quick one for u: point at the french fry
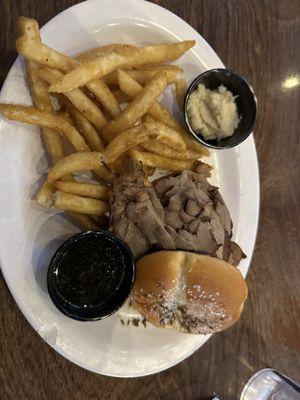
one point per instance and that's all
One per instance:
(80, 205)
(148, 171)
(139, 134)
(96, 52)
(34, 116)
(126, 140)
(168, 136)
(159, 67)
(44, 196)
(180, 88)
(35, 51)
(117, 166)
(138, 107)
(83, 189)
(103, 65)
(190, 142)
(29, 27)
(154, 160)
(84, 220)
(193, 148)
(39, 91)
(162, 149)
(148, 55)
(75, 162)
(147, 118)
(132, 89)
(87, 72)
(85, 127)
(41, 99)
(121, 96)
(105, 96)
(104, 174)
(144, 75)
(78, 98)
(66, 115)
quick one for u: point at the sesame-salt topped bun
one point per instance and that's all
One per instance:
(190, 292)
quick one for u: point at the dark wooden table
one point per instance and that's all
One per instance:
(260, 39)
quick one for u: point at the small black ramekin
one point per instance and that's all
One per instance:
(105, 308)
(245, 100)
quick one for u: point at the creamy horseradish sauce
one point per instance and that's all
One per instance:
(212, 113)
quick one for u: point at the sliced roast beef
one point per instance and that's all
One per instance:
(178, 211)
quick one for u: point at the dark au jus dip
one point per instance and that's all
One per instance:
(91, 275)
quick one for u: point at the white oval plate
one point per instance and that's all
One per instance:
(29, 235)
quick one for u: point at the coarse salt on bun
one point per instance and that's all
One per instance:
(190, 292)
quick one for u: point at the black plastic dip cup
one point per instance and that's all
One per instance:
(91, 275)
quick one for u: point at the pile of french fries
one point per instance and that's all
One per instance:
(108, 109)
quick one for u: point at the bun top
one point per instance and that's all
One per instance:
(190, 292)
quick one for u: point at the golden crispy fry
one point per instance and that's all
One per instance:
(44, 196)
(112, 78)
(126, 140)
(39, 91)
(194, 148)
(121, 96)
(138, 107)
(148, 171)
(128, 84)
(74, 163)
(144, 75)
(79, 99)
(162, 149)
(132, 89)
(83, 189)
(36, 51)
(168, 136)
(160, 113)
(117, 166)
(87, 72)
(105, 96)
(29, 27)
(85, 127)
(139, 134)
(42, 54)
(159, 67)
(154, 160)
(78, 204)
(180, 87)
(66, 115)
(96, 52)
(104, 174)
(192, 143)
(41, 99)
(54, 144)
(84, 220)
(32, 115)
(103, 65)
(149, 119)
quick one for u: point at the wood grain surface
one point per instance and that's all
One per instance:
(260, 39)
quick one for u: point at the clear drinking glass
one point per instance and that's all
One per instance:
(268, 384)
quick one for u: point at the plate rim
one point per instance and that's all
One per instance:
(250, 141)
